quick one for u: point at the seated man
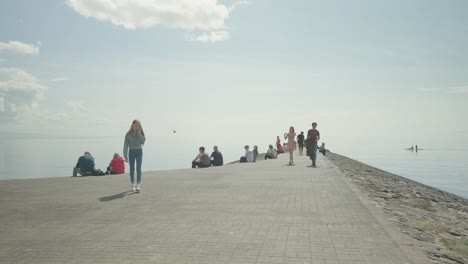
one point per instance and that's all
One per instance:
(271, 153)
(117, 165)
(248, 157)
(322, 149)
(202, 160)
(216, 157)
(84, 166)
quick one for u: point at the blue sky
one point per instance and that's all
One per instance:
(366, 71)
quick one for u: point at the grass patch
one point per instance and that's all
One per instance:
(457, 245)
(425, 205)
(432, 225)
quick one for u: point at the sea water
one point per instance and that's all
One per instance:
(43, 157)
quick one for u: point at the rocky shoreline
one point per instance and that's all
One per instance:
(436, 221)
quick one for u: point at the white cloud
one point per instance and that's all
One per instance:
(214, 36)
(19, 92)
(427, 89)
(452, 90)
(58, 117)
(19, 47)
(76, 106)
(2, 60)
(237, 4)
(60, 79)
(458, 90)
(205, 15)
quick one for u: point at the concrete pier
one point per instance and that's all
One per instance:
(263, 212)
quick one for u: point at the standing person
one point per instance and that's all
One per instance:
(134, 140)
(255, 153)
(313, 136)
(300, 141)
(291, 135)
(278, 141)
(117, 165)
(84, 166)
(216, 157)
(202, 160)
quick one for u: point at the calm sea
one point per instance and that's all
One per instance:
(23, 158)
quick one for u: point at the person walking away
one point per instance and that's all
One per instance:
(255, 153)
(84, 166)
(116, 165)
(216, 158)
(202, 160)
(133, 152)
(300, 142)
(313, 136)
(291, 135)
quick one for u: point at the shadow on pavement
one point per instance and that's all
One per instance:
(115, 196)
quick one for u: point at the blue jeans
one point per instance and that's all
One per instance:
(135, 155)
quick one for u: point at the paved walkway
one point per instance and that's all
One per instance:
(264, 212)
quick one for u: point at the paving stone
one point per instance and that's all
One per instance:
(264, 212)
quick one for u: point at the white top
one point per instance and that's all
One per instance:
(272, 152)
(249, 156)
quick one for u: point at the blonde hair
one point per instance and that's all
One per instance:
(139, 124)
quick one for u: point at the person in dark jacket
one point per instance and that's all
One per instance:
(216, 157)
(84, 166)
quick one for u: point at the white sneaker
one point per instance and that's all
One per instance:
(138, 188)
(133, 189)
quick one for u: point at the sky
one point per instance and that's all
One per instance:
(367, 71)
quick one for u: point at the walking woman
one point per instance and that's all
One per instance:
(291, 135)
(134, 140)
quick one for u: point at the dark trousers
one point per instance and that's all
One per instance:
(215, 164)
(323, 151)
(268, 156)
(110, 171)
(243, 159)
(77, 171)
(198, 164)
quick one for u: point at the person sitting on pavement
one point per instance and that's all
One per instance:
(202, 160)
(255, 153)
(216, 157)
(116, 165)
(248, 157)
(322, 149)
(271, 153)
(280, 149)
(84, 166)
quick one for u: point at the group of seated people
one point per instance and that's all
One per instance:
(86, 166)
(202, 160)
(249, 156)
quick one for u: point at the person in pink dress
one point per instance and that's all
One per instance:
(291, 135)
